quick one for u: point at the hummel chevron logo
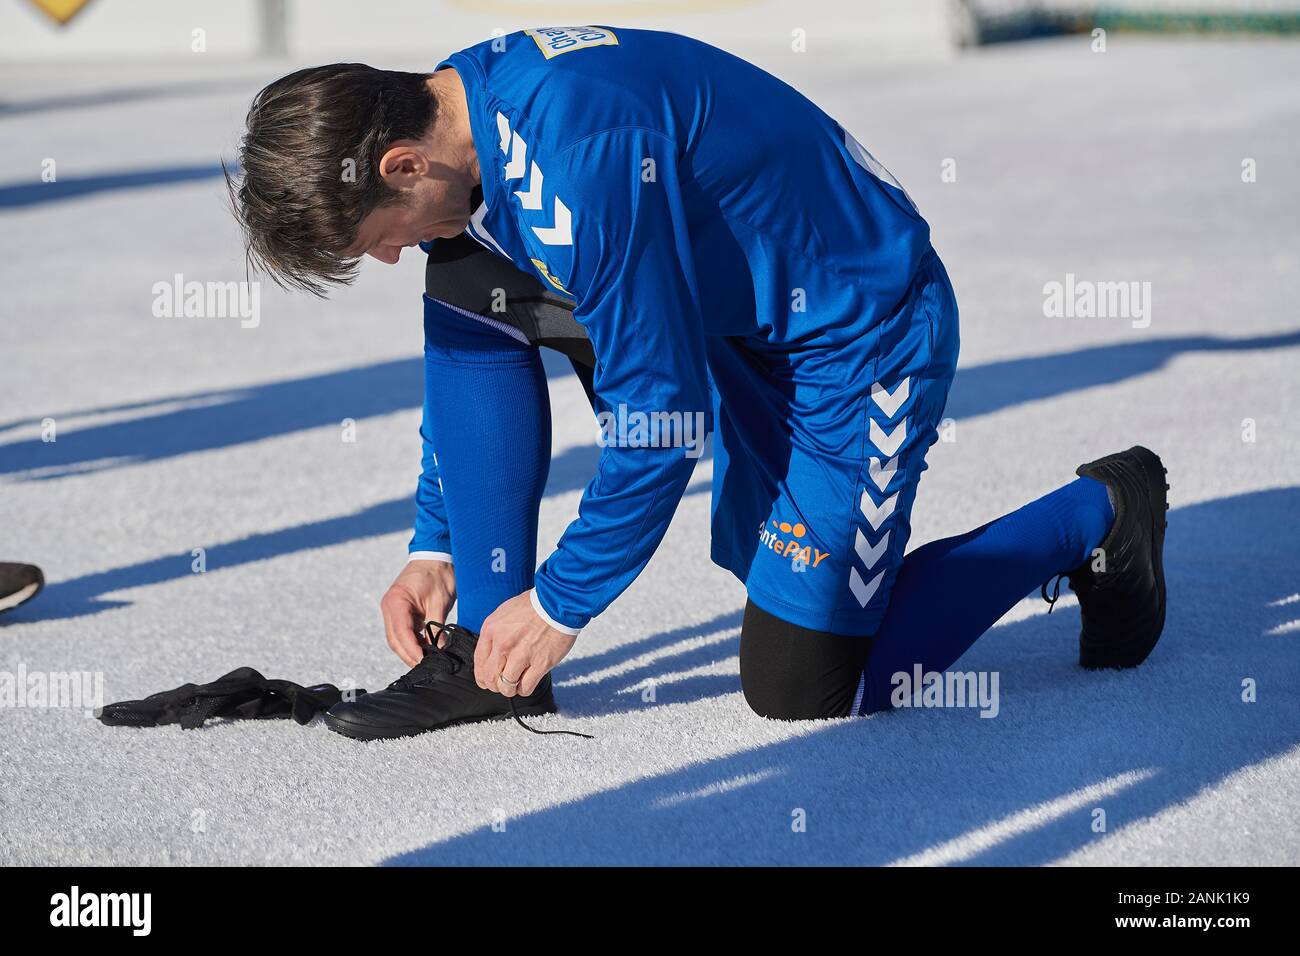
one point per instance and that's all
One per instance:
(503, 130)
(882, 475)
(518, 154)
(868, 554)
(479, 230)
(888, 442)
(532, 199)
(861, 590)
(560, 234)
(876, 515)
(890, 404)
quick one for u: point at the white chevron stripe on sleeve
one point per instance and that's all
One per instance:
(882, 475)
(479, 231)
(888, 442)
(532, 199)
(890, 404)
(870, 555)
(874, 514)
(518, 156)
(560, 234)
(503, 130)
(863, 591)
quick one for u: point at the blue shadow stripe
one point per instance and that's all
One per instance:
(23, 195)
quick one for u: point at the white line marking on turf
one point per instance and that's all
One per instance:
(713, 789)
(1034, 818)
(649, 657)
(1033, 607)
(725, 667)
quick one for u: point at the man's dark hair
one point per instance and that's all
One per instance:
(310, 162)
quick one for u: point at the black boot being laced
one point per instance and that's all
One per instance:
(438, 692)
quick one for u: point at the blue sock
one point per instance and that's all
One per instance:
(949, 592)
(492, 433)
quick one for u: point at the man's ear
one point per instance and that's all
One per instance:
(401, 165)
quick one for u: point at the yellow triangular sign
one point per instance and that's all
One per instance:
(61, 10)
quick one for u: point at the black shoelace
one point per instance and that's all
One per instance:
(1056, 594)
(438, 661)
(514, 712)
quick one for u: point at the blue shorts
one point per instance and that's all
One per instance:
(818, 455)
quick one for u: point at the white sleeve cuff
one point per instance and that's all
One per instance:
(541, 612)
(429, 556)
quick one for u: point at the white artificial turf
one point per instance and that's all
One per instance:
(177, 434)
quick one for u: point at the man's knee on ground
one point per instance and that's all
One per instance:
(789, 672)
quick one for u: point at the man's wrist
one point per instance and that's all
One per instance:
(550, 621)
(443, 556)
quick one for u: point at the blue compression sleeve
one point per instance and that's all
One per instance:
(432, 532)
(489, 417)
(950, 592)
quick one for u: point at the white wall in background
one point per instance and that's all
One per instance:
(127, 29)
(333, 29)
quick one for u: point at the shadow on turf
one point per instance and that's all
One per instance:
(37, 193)
(97, 99)
(77, 597)
(884, 789)
(983, 389)
(202, 421)
(215, 419)
(570, 471)
(615, 680)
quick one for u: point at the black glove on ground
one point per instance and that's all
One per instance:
(243, 694)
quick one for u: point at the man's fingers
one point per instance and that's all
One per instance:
(482, 666)
(437, 609)
(399, 629)
(530, 679)
(508, 682)
(492, 671)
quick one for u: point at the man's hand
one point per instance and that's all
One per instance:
(424, 591)
(518, 646)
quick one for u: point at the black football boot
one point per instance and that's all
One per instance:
(1123, 606)
(437, 692)
(19, 583)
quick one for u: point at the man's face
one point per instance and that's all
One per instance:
(429, 208)
(433, 177)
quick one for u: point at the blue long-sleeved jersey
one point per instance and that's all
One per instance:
(680, 196)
